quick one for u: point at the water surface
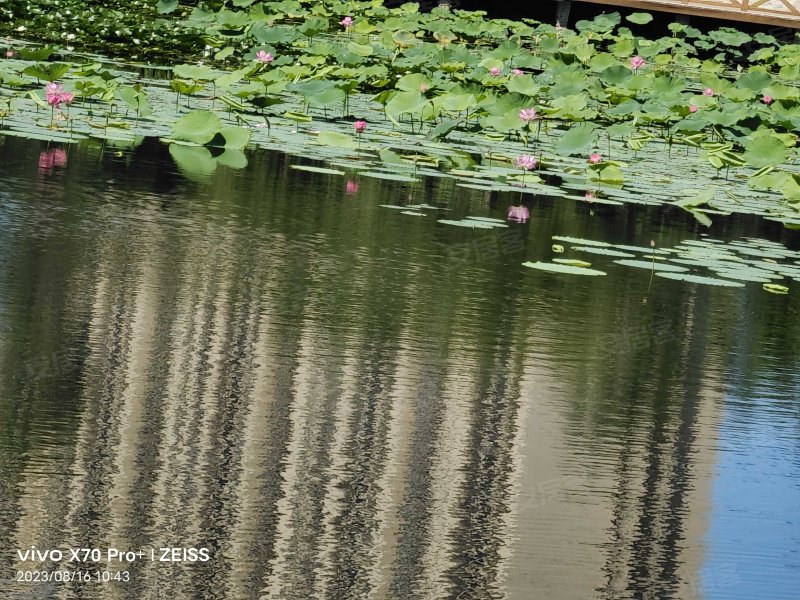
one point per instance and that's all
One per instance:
(341, 401)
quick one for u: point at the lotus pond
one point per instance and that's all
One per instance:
(377, 303)
(493, 104)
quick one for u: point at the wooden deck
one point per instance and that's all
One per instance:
(774, 12)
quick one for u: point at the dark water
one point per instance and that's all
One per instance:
(340, 401)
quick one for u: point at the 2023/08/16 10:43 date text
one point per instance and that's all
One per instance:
(62, 575)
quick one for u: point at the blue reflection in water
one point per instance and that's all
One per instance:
(754, 533)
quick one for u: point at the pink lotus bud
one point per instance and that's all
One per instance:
(351, 188)
(360, 126)
(495, 71)
(517, 72)
(767, 99)
(692, 108)
(708, 92)
(595, 158)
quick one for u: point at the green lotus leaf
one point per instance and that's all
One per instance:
(523, 84)
(197, 126)
(273, 34)
(194, 72)
(405, 102)
(606, 172)
(166, 6)
(578, 140)
(235, 138)
(413, 82)
(755, 80)
(336, 139)
(615, 75)
(640, 18)
(48, 71)
(764, 151)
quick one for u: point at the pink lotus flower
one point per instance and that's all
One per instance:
(708, 92)
(496, 71)
(595, 158)
(360, 126)
(264, 57)
(9, 54)
(767, 99)
(423, 88)
(347, 22)
(352, 187)
(53, 92)
(637, 62)
(517, 72)
(528, 114)
(590, 196)
(526, 161)
(520, 214)
(692, 108)
(55, 95)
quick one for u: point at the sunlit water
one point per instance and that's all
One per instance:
(340, 401)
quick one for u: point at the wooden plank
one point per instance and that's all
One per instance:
(751, 11)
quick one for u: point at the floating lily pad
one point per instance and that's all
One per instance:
(413, 213)
(754, 275)
(572, 261)
(487, 220)
(652, 265)
(641, 249)
(559, 268)
(774, 288)
(469, 224)
(700, 279)
(604, 251)
(388, 176)
(317, 169)
(574, 240)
